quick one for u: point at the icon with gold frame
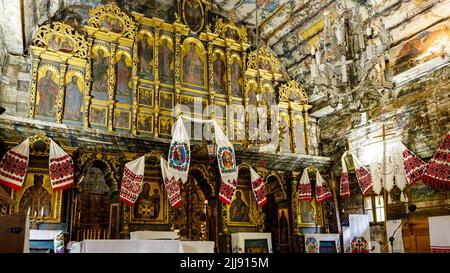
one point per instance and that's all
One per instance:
(38, 197)
(240, 211)
(306, 213)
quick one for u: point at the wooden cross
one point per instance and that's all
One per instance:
(343, 64)
(383, 135)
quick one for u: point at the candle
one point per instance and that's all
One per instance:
(42, 211)
(368, 31)
(28, 211)
(313, 50)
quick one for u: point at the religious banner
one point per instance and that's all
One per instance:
(179, 152)
(259, 189)
(322, 191)
(133, 174)
(363, 176)
(344, 182)
(437, 174)
(14, 166)
(304, 187)
(413, 166)
(227, 165)
(60, 167)
(171, 185)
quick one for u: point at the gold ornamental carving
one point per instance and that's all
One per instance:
(63, 38)
(110, 18)
(230, 30)
(293, 92)
(267, 61)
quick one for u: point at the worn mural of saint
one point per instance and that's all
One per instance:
(73, 100)
(193, 67)
(219, 74)
(165, 62)
(145, 57)
(239, 210)
(100, 74)
(123, 80)
(193, 15)
(236, 79)
(47, 91)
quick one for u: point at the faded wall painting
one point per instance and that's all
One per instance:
(73, 101)
(193, 14)
(100, 64)
(299, 134)
(219, 73)
(98, 115)
(61, 43)
(236, 77)
(145, 51)
(423, 47)
(166, 60)
(145, 123)
(123, 80)
(109, 23)
(47, 91)
(193, 64)
(145, 96)
(122, 119)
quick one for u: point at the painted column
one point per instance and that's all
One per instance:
(88, 86)
(135, 77)
(61, 92)
(32, 105)
(111, 86)
(157, 82)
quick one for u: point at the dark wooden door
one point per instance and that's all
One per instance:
(416, 236)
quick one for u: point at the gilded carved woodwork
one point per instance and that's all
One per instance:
(228, 29)
(110, 18)
(116, 33)
(61, 38)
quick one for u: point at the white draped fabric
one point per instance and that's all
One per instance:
(439, 234)
(391, 226)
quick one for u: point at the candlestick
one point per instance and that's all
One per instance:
(42, 212)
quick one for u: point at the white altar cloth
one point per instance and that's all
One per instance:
(153, 235)
(142, 246)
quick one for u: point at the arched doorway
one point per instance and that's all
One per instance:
(193, 216)
(92, 205)
(276, 210)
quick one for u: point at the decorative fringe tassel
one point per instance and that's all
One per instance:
(389, 199)
(403, 197)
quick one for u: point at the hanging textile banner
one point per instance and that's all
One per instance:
(304, 187)
(133, 174)
(439, 234)
(438, 172)
(413, 166)
(179, 152)
(259, 189)
(227, 165)
(322, 191)
(363, 176)
(171, 185)
(344, 184)
(14, 166)
(60, 167)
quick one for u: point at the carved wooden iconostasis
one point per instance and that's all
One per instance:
(123, 75)
(126, 73)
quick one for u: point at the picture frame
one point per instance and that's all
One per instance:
(235, 211)
(307, 213)
(37, 184)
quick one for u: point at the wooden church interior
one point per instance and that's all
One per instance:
(334, 87)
